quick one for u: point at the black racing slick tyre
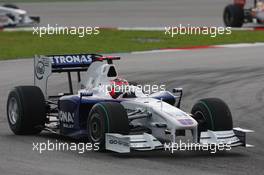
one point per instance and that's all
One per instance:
(12, 6)
(260, 22)
(106, 117)
(26, 111)
(233, 16)
(212, 114)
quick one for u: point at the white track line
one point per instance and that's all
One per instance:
(241, 45)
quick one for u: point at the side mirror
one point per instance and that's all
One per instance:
(178, 90)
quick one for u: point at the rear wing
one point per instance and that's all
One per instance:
(44, 66)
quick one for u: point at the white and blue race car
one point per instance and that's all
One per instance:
(120, 121)
(12, 16)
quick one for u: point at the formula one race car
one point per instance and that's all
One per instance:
(12, 16)
(238, 13)
(109, 111)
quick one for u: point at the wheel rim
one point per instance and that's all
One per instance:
(96, 127)
(13, 113)
(200, 118)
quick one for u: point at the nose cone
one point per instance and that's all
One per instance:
(175, 115)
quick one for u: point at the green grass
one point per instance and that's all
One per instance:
(19, 1)
(15, 45)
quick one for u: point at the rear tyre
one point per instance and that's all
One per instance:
(259, 21)
(106, 117)
(233, 16)
(26, 113)
(212, 114)
(11, 6)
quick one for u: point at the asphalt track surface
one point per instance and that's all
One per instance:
(236, 75)
(125, 13)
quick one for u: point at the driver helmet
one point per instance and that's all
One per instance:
(260, 5)
(117, 87)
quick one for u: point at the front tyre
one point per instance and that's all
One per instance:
(212, 114)
(26, 113)
(233, 16)
(106, 117)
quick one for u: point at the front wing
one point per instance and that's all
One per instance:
(146, 142)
